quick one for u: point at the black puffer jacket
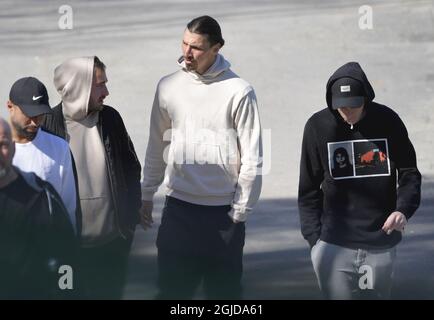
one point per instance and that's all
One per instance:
(35, 241)
(123, 164)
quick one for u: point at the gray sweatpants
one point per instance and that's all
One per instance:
(344, 273)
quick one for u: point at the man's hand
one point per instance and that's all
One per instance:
(396, 221)
(146, 214)
(231, 215)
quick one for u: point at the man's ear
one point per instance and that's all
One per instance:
(216, 48)
(9, 104)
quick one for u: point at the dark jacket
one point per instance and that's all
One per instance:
(350, 208)
(122, 162)
(40, 240)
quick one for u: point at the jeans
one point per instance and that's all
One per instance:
(345, 273)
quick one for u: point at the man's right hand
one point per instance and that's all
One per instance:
(146, 214)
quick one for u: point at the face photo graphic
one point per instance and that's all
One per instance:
(341, 163)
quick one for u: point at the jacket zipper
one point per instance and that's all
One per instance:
(111, 181)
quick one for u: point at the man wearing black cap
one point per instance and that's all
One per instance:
(359, 185)
(36, 150)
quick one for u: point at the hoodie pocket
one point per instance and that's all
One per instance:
(201, 168)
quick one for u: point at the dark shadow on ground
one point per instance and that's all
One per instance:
(277, 261)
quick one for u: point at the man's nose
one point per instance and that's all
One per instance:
(36, 121)
(188, 51)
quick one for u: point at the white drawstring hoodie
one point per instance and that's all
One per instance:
(206, 129)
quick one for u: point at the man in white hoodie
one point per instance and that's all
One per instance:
(207, 118)
(38, 151)
(108, 173)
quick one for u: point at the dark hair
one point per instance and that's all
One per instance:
(208, 26)
(98, 64)
(344, 153)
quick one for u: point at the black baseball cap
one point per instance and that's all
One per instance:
(31, 96)
(347, 92)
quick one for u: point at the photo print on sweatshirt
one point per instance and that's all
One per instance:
(358, 158)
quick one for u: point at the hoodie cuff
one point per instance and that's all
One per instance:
(312, 239)
(406, 211)
(238, 215)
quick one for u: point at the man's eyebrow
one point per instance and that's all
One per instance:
(193, 46)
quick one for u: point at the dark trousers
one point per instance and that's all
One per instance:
(199, 244)
(103, 269)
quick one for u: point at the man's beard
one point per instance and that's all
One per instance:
(22, 132)
(191, 66)
(95, 107)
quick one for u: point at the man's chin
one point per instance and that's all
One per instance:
(190, 67)
(30, 134)
(96, 108)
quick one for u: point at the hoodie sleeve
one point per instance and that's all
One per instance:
(310, 195)
(68, 192)
(249, 182)
(409, 177)
(155, 165)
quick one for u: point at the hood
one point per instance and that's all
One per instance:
(73, 81)
(351, 70)
(219, 66)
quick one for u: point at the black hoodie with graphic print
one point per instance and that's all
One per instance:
(348, 207)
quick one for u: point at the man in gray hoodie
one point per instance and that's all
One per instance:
(207, 118)
(108, 173)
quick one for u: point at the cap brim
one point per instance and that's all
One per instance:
(349, 102)
(35, 110)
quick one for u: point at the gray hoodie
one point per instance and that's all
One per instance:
(73, 81)
(206, 129)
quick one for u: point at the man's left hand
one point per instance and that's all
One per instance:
(396, 221)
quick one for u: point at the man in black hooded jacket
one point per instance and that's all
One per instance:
(108, 174)
(36, 235)
(353, 220)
